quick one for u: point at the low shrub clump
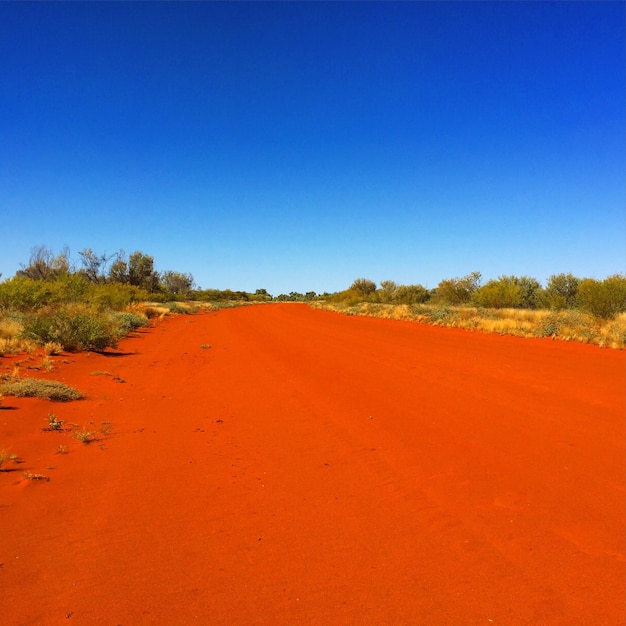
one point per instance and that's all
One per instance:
(36, 388)
(126, 322)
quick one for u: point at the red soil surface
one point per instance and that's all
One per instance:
(311, 468)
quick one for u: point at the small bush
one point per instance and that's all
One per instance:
(128, 322)
(35, 388)
(605, 298)
(74, 327)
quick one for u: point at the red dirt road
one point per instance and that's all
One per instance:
(310, 468)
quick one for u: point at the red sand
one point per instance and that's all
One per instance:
(311, 468)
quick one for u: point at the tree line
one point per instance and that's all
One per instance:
(603, 298)
(136, 270)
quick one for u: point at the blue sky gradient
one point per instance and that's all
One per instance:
(297, 146)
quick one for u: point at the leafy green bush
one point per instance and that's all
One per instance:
(605, 298)
(458, 291)
(410, 294)
(75, 327)
(127, 322)
(561, 291)
(116, 296)
(24, 294)
(498, 294)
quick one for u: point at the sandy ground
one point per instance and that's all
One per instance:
(311, 468)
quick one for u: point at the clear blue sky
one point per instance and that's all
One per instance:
(298, 146)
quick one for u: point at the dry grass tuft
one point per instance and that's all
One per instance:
(85, 435)
(52, 348)
(7, 456)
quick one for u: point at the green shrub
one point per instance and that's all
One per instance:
(116, 296)
(127, 322)
(499, 294)
(605, 298)
(561, 291)
(458, 291)
(410, 294)
(74, 327)
(24, 294)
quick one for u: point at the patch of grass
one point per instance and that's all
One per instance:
(34, 388)
(61, 450)
(100, 373)
(6, 456)
(85, 435)
(205, 346)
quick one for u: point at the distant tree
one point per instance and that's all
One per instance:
(561, 291)
(530, 292)
(177, 283)
(141, 271)
(604, 298)
(43, 265)
(118, 272)
(364, 286)
(94, 265)
(387, 289)
(500, 293)
(457, 291)
(410, 294)
(137, 271)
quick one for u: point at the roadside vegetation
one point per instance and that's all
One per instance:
(56, 304)
(567, 308)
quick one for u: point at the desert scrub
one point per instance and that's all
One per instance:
(565, 325)
(36, 388)
(75, 327)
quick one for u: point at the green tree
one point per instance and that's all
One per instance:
(364, 286)
(94, 265)
(387, 289)
(458, 291)
(604, 298)
(137, 271)
(501, 293)
(410, 294)
(561, 291)
(176, 282)
(44, 265)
